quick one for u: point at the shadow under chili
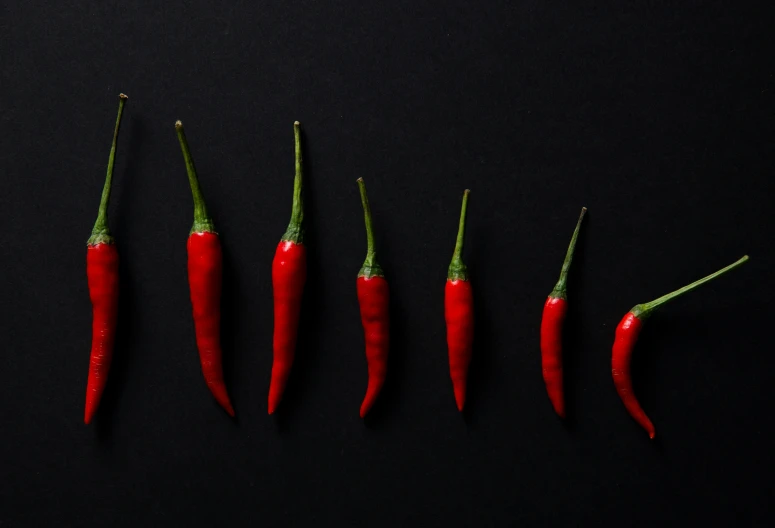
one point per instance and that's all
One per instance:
(312, 302)
(127, 298)
(230, 327)
(387, 401)
(481, 366)
(573, 328)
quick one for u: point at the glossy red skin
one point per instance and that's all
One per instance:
(626, 336)
(459, 314)
(102, 275)
(374, 300)
(205, 267)
(289, 273)
(551, 350)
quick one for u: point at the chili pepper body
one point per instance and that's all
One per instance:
(627, 333)
(205, 276)
(289, 274)
(459, 315)
(555, 310)
(102, 275)
(103, 280)
(374, 301)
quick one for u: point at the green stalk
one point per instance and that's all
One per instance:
(370, 266)
(202, 221)
(560, 289)
(457, 270)
(100, 234)
(642, 311)
(295, 231)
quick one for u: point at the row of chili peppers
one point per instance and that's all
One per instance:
(289, 271)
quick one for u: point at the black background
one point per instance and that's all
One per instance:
(657, 117)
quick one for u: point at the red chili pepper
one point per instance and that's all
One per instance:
(289, 272)
(102, 275)
(205, 266)
(374, 300)
(627, 335)
(459, 314)
(555, 308)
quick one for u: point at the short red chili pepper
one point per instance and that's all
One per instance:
(289, 273)
(555, 308)
(459, 314)
(205, 268)
(102, 275)
(374, 300)
(627, 333)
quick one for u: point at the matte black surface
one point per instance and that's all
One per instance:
(658, 118)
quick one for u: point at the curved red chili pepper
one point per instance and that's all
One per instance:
(289, 273)
(555, 308)
(102, 276)
(205, 273)
(627, 333)
(459, 314)
(374, 301)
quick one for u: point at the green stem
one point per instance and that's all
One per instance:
(202, 221)
(642, 311)
(295, 231)
(457, 270)
(560, 289)
(100, 234)
(370, 266)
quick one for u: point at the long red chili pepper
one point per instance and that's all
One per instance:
(102, 275)
(374, 300)
(459, 314)
(627, 335)
(205, 266)
(289, 272)
(555, 308)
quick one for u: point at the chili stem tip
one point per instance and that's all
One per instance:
(178, 124)
(466, 192)
(296, 123)
(122, 96)
(359, 180)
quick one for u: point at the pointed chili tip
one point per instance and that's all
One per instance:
(88, 415)
(652, 434)
(460, 396)
(123, 96)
